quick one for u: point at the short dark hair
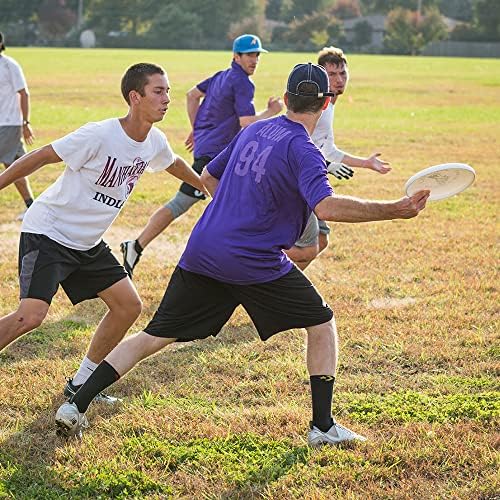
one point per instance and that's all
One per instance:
(331, 55)
(2, 38)
(136, 78)
(305, 104)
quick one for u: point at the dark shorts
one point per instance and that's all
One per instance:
(198, 165)
(45, 264)
(11, 145)
(196, 306)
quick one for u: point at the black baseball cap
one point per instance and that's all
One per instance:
(309, 73)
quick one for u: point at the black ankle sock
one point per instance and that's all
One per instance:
(104, 375)
(322, 394)
(138, 247)
(28, 202)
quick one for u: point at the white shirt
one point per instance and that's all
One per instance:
(103, 165)
(323, 136)
(11, 82)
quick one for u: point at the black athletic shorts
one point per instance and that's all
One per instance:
(198, 165)
(45, 264)
(196, 306)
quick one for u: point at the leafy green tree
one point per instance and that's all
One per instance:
(363, 32)
(487, 19)
(406, 33)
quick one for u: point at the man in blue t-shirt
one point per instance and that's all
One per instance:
(265, 185)
(218, 108)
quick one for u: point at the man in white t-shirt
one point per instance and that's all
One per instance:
(61, 236)
(14, 118)
(315, 237)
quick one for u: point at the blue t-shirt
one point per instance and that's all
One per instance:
(271, 177)
(228, 96)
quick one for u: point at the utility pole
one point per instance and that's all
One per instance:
(79, 15)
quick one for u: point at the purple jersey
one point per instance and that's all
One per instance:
(228, 96)
(270, 178)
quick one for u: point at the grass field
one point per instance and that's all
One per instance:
(416, 304)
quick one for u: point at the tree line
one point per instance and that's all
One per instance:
(282, 24)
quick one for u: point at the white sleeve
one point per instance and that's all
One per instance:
(77, 148)
(17, 76)
(164, 156)
(323, 137)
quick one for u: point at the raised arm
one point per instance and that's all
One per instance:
(183, 171)
(274, 106)
(28, 164)
(348, 209)
(193, 101)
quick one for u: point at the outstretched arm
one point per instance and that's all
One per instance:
(348, 209)
(183, 171)
(28, 164)
(274, 106)
(373, 162)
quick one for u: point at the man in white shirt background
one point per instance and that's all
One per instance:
(315, 237)
(14, 118)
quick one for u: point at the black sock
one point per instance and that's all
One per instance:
(28, 202)
(322, 394)
(104, 375)
(138, 247)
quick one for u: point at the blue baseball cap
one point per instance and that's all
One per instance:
(245, 44)
(309, 73)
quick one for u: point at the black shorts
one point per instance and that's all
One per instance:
(196, 306)
(198, 165)
(45, 264)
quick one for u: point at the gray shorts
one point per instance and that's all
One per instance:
(314, 227)
(11, 145)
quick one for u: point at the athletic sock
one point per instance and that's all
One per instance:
(84, 372)
(28, 202)
(322, 394)
(138, 247)
(104, 375)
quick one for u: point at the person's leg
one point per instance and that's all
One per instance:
(124, 307)
(185, 198)
(302, 256)
(322, 358)
(306, 248)
(29, 315)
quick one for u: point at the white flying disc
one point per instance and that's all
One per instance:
(442, 181)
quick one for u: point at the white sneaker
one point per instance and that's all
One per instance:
(69, 421)
(130, 256)
(337, 434)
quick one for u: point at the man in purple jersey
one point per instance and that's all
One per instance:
(265, 185)
(218, 108)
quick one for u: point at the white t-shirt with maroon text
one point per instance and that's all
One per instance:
(103, 165)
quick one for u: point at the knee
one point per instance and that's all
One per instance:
(134, 308)
(29, 320)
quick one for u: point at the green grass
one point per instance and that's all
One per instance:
(416, 304)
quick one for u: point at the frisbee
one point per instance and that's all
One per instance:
(442, 181)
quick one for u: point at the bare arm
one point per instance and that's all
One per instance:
(209, 181)
(193, 101)
(274, 106)
(28, 164)
(25, 109)
(183, 171)
(348, 209)
(373, 162)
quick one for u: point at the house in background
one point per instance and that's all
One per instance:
(366, 31)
